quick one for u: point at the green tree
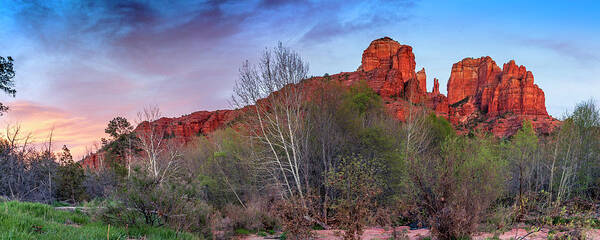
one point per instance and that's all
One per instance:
(586, 120)
(574, 166)
(453, 187)
(117, 127)
(360, 100)
(7, 73)
(522, 151)
(123, 144)
(70, 177)
(440, 128)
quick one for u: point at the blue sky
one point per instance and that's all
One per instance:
(80, 63)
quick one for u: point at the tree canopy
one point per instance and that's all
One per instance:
(7, 84)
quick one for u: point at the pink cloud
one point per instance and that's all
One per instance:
(77, 132)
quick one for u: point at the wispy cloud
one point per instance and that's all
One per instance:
(361, 16)
(566, 48)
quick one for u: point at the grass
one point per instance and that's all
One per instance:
(24, 220)
(243, 231)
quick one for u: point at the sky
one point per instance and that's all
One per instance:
(81, 63)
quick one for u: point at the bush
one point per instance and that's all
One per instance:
(454, 188)
(293, 215)
(254, 216)
(27, 175)
(357, 187)
(175, 204)
(100, 183)
(116, 213)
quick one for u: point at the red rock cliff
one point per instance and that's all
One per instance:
(495, 91)
(389, 67)
(183, 129)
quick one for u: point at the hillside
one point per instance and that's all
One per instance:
(481, 95)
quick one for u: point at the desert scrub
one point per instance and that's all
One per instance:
(24, 220)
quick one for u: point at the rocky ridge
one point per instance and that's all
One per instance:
(481, 95)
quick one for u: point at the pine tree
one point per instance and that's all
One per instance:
(70, 178)
(7, 73)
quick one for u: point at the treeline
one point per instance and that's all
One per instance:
(31, 174)
(319, 155)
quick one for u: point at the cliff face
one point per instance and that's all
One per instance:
(495, 91)
(481, 95)
(470, 76)
(389, 67)
(183, 129)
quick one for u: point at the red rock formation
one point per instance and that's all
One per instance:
(516, 93)
(385, 53)
(495, 91)
(436, 86)
(389, 66)
(481, 96)
(478, 90)
(183, 129)
(91, 161)
(422, 79)
(469, 76)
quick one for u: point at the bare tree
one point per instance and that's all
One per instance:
(277, 114)
(160, 154)
(26, 173)
(14, 137)
(572, 161)
(417, 136)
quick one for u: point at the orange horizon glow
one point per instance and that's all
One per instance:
(79, 134)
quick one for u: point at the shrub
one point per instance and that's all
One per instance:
(27, 176)
(116, 213)
(357, 186)
(172, 203)
(454, 188)
(100, 183)
(294, 217)
(254, 216)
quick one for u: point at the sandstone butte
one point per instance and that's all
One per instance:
(481, 96)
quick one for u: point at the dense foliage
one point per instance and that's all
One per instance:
(7, 75)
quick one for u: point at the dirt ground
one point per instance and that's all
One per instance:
(381, 233)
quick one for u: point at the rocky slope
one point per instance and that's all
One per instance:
(481, 95)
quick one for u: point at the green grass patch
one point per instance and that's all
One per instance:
(243, 231)
(24, 220)
(317, 227)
